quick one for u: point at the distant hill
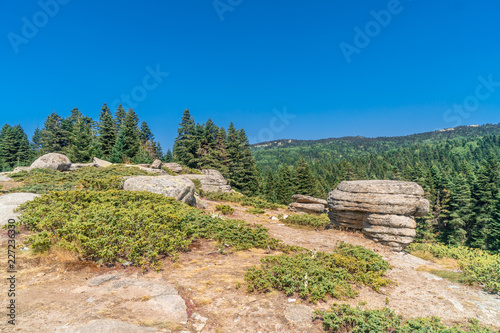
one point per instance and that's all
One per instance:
(287, 151)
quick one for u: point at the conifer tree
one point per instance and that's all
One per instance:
(81, 146)
(249, 181)
(168, 157)
(54, 134)
(146, 134)
(128, 142)
(120, 115)
(24, 153)
(36, 142)
(185, 145)
(285, 185)
(305, 183)
(107, 131)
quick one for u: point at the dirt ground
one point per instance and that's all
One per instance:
(53, 291)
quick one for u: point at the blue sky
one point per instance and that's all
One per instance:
(279, 69)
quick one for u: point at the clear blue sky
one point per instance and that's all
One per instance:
(243, 60)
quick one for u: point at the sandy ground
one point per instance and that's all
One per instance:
(53, 291)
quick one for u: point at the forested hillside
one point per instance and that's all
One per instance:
(461, 178)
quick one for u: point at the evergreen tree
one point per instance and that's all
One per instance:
(107, 131)
(81, 146)
(185, 144)
(285, 185)
(54, 134)
(146, 134)
(169, 157)
(249, 181)
(459, 212)
(128, 142)
(270, 188)
(24, 152)
(36, 142)
(120, 115)
(305, 183)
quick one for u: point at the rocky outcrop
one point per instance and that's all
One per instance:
(308, 199)
(101, 163)
(178, 187)
(211, 181)
(307, 204)
(9, 203)
(4, 177)
(18, 169)
(382, 209)
(156, 164)
(177, 168)
(306, 207)
(54, 161)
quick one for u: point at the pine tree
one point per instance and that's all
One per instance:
(120, 115)
(285, 185)
(206, 147)
(54, 134)
(24, 153)
(14, 147)
(36, 142)
(146, 134)
(305, 183)
(249, 182)
(270, 187)
(221, 153)
(107, 131)
(128, 142)
(81, 146)
(185, 145)
(168, 157)
(456, 217)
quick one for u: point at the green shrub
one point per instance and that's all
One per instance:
(91, 178)
(140, 227)
(477, 265)
(187, 170)
(225, 209)
(345, 318)
(317, 275)
(241, 199)
(197, 186)
(168, 171)
(255, 211)
(315, 221)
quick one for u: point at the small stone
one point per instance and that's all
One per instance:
(291, 300)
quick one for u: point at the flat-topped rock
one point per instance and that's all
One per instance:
(306, 208)
(300, 198)
(378, 203)
(175, 167)
(178, 187)
(211, 181)
(381, 187)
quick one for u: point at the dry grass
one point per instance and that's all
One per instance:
(426, 255)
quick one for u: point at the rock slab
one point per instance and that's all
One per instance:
(9, 202)
(307, 204)
(54, 161)
(178, 187)
(382, 209)
(211, 181)
(175, 167)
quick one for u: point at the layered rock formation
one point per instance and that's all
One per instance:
(211, 181)
(382, 209)
(307, 204)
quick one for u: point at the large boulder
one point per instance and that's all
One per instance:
(9, 203)
(101, 163)
(211, 181)
(156, 164)
(383, 210)
(175, 167)
(300, 198)
(384, 200)
(52, 161)
(178, 187)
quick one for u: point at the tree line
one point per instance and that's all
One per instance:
(117, 138)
